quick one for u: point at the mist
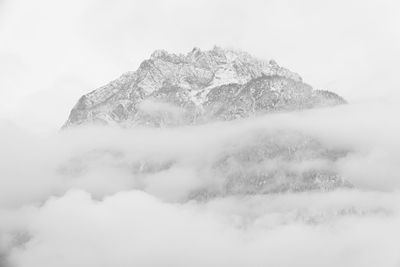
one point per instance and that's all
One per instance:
(101, 196)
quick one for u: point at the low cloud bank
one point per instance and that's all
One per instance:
(113, 197)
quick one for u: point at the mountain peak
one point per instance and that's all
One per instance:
(159, 53)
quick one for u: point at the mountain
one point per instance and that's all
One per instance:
(201, 86)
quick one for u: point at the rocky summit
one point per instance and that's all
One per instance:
(201, 86)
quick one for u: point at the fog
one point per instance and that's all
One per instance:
(83, 197)
(108, 196)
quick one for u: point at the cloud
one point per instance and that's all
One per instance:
(88, 158)
(134, 228)
(100, 196)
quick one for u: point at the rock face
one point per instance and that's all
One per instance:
(201, 86)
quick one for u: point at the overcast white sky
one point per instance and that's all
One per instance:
(52, 52)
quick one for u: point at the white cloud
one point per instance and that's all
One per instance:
(134, 228)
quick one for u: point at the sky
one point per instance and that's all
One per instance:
(52, 52)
